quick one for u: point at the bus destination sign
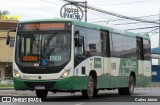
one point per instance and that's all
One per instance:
(71, 11)
(44, 26)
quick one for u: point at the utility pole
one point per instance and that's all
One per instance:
(85, 11)
(159, 35)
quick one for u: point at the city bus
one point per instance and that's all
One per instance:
(62, 55)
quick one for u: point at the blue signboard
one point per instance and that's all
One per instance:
(155, 73)
(44, 62)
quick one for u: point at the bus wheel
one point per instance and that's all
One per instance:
(41, 94)
(130, 89)
(95, 92)
(88, 94)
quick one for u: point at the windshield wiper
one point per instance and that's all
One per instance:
(49, 39)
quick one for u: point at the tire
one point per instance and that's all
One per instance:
(95, 92)
(41, 94)
(89, 93)
(130, 89)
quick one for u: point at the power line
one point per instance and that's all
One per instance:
(129, 23)
(61, 5)
(97, 15)
(153, 34)
(127, 3)
(154, 30)
(113, 14)
(136, 17)
(50, 2)
(150, 32)
(125, 19)
(142, 28)
(121, 16)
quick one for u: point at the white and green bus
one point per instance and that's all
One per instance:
(60, 55)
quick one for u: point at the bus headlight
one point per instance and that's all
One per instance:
(17, 74)
(65, 74)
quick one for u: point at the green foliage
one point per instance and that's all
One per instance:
(6, 85)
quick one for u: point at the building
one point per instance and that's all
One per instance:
(6, 51)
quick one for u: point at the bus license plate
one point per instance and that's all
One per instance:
(39, 87)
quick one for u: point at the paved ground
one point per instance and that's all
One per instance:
(104, 98)
(106, 95)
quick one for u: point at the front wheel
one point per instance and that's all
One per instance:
(89, 93)
(41, 94)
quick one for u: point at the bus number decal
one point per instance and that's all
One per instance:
(55, 58)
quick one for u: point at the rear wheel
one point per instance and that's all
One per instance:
(130, 89)
(41, 94)
(95, 92)
(90, 89)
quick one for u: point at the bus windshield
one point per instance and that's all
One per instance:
(43, 49)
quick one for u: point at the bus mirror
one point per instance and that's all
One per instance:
(80, 41)
(77, 33)
(8, 40)
(8, 36)
(76, 42)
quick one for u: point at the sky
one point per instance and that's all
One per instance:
(35, 9)
(45, 9)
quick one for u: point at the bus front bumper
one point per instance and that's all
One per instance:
(70, 83)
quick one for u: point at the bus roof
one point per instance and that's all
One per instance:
(90, 25)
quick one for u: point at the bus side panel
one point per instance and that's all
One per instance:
(118, 75)
(104, 81)
(144, 77)
(121, 69)
(80, 82)
(83, 69)
(147, 73)
(142, 81)
(108, 81)
(147, 68)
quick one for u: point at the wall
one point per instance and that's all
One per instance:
(6, 51)
(2, 69)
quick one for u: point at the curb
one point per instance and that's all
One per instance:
(154, 84)
(7, 88)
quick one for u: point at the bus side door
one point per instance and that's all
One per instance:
(140, 55)
(106, 58)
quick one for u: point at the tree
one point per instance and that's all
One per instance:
(3, 13)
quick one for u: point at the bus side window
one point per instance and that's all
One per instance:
(105, 44)
(140, 48)
(92, 47)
